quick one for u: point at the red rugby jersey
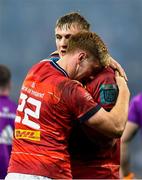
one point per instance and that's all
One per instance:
(94, 155)
(48, 103)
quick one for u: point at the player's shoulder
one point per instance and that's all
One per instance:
(42, 65)
(68, 83)
(105, 72)
(73, 83)
(137, 98)
(40, 71)
(13, 103)
(10, 101)
(68, 86)
(54, 56)
(55, 53)
(106, 75)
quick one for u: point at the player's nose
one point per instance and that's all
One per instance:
(64, 42)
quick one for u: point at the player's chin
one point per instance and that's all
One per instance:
(62, 53)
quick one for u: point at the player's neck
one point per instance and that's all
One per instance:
(4, 92)
(64, 64)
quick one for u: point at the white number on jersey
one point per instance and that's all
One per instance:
(28, 112)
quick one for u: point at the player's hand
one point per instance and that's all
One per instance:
(115, 65)
(121, 82)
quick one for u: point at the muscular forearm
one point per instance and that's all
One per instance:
(125, 169)
(130, 131)
(120, 111)
(112, 123)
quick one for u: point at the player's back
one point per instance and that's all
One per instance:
(40, 137)
(94, 155)
(7, 116)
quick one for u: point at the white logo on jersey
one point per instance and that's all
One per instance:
(6, 114)
(6, 135)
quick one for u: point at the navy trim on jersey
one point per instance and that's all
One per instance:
(59, 68)
(90, 113)
(55, 59)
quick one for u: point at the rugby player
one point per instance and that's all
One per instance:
(49, 103)
(7, 116)
(86, 163)
(93, 154)
(133, 125)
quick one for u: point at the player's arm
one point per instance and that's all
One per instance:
(113, 123)
(129, 132)
(82, 107)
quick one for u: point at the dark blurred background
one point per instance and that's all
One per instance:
(27, 36)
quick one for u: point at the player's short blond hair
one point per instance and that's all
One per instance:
(90, 42)
(73, 18)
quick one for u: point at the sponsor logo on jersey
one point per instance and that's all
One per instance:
(27, 134)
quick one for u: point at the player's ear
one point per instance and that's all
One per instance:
(82, 56)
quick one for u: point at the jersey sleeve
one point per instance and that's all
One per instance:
(104, 89)
(133, 115)
(79, 102)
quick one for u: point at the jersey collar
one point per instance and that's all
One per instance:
(59, 68)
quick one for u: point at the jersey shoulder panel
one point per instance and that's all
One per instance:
(103, 88)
